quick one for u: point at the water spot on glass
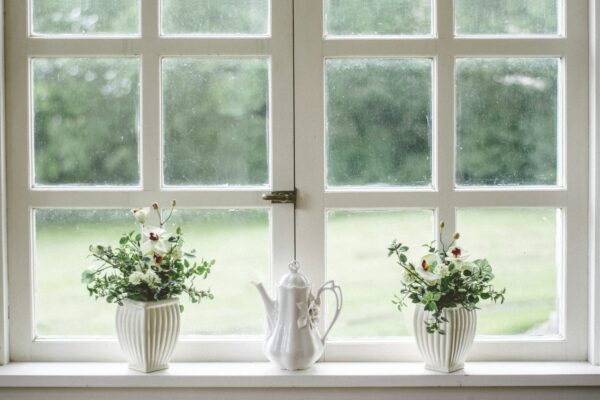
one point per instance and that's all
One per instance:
(90, 76)
(75, 14)
(110, 74)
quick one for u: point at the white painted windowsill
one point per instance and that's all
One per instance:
(322, 375)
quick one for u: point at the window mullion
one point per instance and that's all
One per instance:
(444, 123)
(150, 141)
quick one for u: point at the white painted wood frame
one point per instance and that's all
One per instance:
(594, 218)
(309, 48)
(149, 47)
(4, 346)
(312, 47)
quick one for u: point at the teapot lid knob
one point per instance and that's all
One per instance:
(294, 279)
(294, 266)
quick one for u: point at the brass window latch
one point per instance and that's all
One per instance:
(281, 197)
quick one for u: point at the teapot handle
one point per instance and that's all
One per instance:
(337, 291)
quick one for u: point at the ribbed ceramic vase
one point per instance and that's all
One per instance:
(148, 332)
(445, 353)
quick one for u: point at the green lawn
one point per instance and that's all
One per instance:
(519, 243)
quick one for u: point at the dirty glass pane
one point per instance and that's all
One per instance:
(507, 17)
(215, 17)
(523, 247)
(507, 119)
(85, 17)
(357, 260)
(379, 122)
(62, 239)
(216, 121)
(378, 17)
(86, 121)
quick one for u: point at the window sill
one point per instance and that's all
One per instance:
(323, 375)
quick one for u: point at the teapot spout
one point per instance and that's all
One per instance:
(270, 304)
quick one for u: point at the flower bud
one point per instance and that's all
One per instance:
(442, 225)
(155, 206)
(456, 236)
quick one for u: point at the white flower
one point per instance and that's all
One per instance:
(136, 278)
(457, 254)
(176, 253)
(151, 278)
(141, 214)
(426, 268)
(442, 270)
(406, 277)
(155, 241)
(466, 266)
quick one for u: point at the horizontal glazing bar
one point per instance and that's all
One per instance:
(458, 47)
(162, 46)
(523, 198)
(123, 198)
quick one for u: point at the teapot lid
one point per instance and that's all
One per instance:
(294, 279)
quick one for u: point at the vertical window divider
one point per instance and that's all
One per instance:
(4, 311)
(150, 96)
(444, 129)
(309, 138)
(576, 164)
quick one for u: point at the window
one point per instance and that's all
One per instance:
(387, 116)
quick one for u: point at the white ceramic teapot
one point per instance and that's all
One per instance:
(293, 340)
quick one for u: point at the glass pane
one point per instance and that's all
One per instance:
(379, 122)
(62, 239)
(522, 246)
(357, 260)
(239, 241)
(216, 121)
(61, 254)
(86, 121)
(507, 121)
(378, 17)
(215, 17)
(85, 17)
(506, 17)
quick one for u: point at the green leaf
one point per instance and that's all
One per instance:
(87, 277)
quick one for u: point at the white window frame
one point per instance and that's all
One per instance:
(312, 47)
(150, 47)
(309, 48)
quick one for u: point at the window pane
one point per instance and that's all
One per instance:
(86, 121)
(507, 121)
(239, 241)
(85, 17)
(62, 239)
(378, 17)
(210, 17)
(379, 122)
(357, 260)
(522, 246)
(506, 17)
(61, 254)
(216, 121)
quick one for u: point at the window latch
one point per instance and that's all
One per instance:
(281, 197)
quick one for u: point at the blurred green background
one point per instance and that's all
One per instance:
(520, 244)
(379, 133)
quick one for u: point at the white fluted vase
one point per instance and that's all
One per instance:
(148, 332)
(445, 353)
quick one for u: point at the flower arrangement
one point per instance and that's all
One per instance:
(147, 266)
(443, 278)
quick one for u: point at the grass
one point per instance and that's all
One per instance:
(519, 243)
